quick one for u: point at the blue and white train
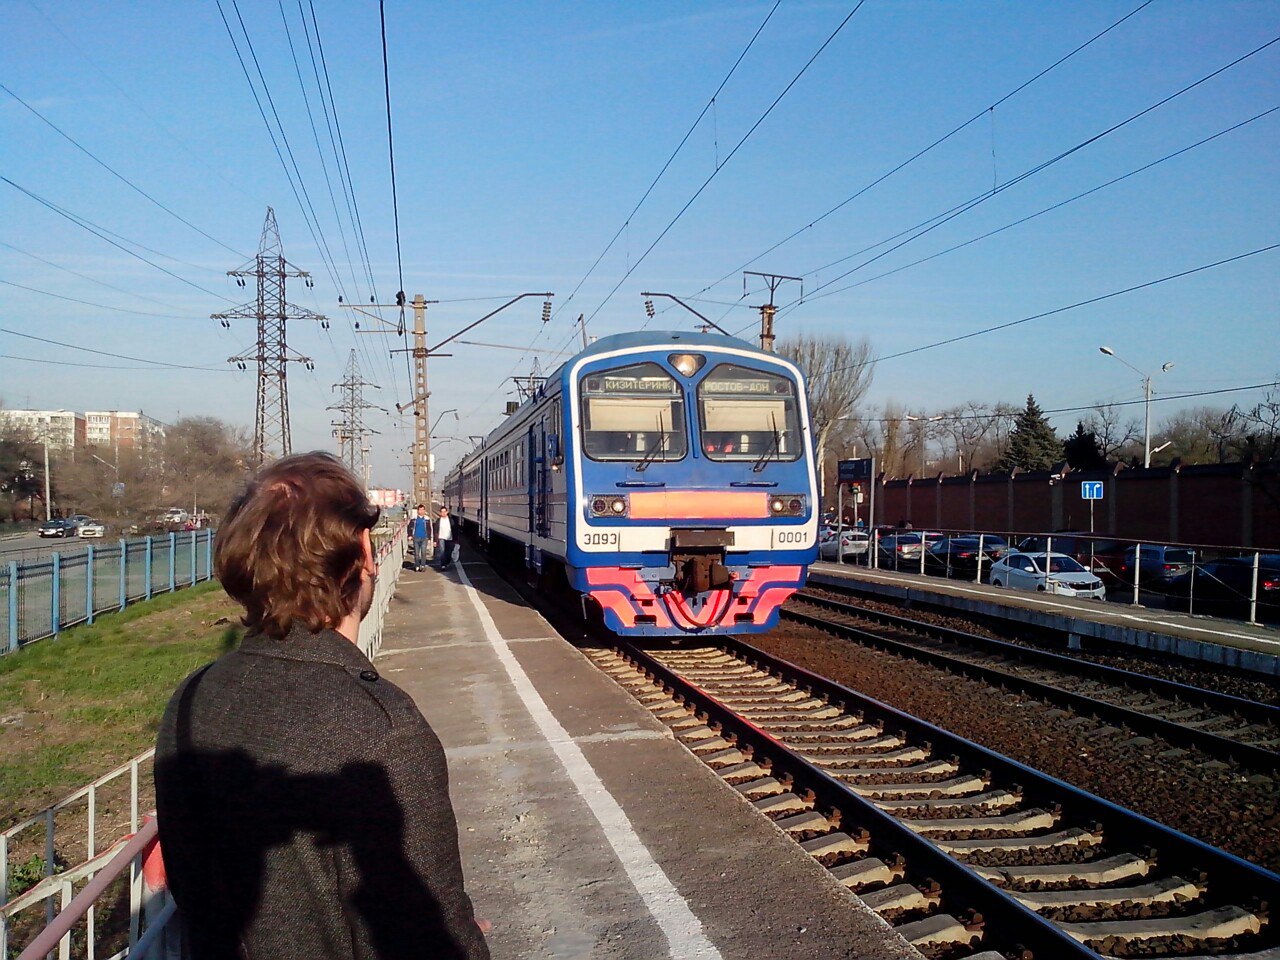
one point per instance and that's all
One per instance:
(669, 475)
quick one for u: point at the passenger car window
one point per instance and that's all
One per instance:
(633, 413)
(748, 415)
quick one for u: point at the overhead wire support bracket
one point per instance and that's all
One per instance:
(648, 306)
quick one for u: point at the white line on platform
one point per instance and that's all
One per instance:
(682, 929)
(952, 589)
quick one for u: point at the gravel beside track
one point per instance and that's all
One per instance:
(1223, 680)
(1184, 789)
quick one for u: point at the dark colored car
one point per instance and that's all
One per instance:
(1223, 588)
(958, 556)
(57, 528)
(1156, 566)
(1101, 556)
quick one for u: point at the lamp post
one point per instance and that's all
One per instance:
(923, 440)
(1146, 392)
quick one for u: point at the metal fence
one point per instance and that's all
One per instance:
(1233, 583)
(41, 598)
(66, 885)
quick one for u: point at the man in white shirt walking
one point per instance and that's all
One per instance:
(444, 538)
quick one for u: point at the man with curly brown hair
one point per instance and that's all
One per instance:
(302, 798)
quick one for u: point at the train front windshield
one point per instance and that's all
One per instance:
(633, 413)
(749, 414)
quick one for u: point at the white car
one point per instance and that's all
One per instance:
(93, 528)
(853, 544)
(1054, 573)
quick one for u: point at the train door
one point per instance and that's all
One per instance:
(530, 473)
(542, 466)
(484, 496)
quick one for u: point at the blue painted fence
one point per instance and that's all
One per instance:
(44, 597)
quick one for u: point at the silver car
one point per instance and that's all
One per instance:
(853, 543)
(1054, 573)
(93, 528)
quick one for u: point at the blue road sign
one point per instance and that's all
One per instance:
(1091, 489)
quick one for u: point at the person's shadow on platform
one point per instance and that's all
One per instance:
(261, 845)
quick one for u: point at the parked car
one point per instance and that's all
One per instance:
(900, 549)
(1100, 555)
(57, 528)
(1156, 566)
(1055, 573)
(93, 529)
(958, 556)
(1223, 588)
(854, 544)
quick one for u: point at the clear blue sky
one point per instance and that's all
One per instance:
(525, 133)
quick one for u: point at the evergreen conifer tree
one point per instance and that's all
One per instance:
(1083, 451)
(1033, 443)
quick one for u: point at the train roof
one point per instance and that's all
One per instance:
(654, 338)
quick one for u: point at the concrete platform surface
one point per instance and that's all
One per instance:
(1230, 642)
(586, 830)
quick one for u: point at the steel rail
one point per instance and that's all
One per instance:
(1242, 881)
(1017, 927)
(1250, 755)
(1251, 709)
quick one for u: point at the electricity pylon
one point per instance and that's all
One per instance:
(271, 432)
(351, 430)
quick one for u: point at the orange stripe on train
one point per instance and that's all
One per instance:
(699, 505)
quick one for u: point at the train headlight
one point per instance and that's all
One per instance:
(687, 364)
(787, 505)
(608, 505)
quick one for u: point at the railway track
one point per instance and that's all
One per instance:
(966, 852)
(1224, 726)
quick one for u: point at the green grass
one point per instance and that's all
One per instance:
(74, 707)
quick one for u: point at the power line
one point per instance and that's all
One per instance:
(115, 173)
(391, 156)
(1060, 204)
(101, 234)
(1158, 398)
(674, 154)
(106, 353)
(195, 155)
(90, 303)
(934, 222)
(936, 143)
(85, 276)
(1064, 309)
(102, 366)
(746, 136)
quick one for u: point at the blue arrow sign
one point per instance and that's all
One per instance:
(1091, 489)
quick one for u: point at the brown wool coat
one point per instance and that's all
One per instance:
(304, 811)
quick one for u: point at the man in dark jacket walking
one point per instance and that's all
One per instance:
(302, 798)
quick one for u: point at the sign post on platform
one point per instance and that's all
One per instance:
(1091, 490)
(857, 471)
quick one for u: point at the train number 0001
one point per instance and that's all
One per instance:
(602, 539)
(793, 536)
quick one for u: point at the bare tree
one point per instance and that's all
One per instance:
(839, 372)
(1260, 428)
(1114, 433)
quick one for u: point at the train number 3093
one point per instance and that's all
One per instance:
(793, 536)
(602, 539)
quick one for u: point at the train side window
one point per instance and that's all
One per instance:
(748, 414)
(633, 413)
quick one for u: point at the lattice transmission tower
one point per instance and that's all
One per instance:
(269, 269)
(351, 430)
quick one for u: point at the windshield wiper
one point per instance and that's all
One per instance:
(654, 450)
(775, 447)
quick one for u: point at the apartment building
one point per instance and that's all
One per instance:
(121, 429)
(64, 429)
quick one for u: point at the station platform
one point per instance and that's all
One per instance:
(1245, 646)
(586, 829)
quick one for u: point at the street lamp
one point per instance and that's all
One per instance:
(923, 440)
(454, 411)
(1146, 391)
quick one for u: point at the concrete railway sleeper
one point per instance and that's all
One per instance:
(1224, 726)
(965, 852)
